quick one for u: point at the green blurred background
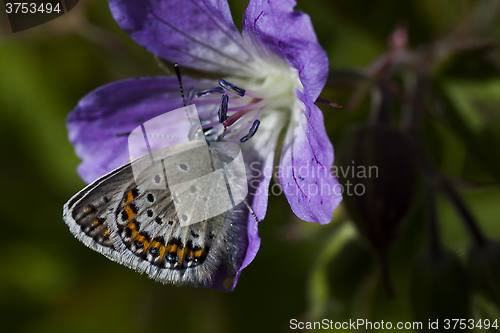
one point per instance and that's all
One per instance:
(50, 282)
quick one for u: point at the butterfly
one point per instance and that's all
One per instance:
(134, 221)
(177, 214)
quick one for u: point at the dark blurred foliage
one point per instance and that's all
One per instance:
(420, 88)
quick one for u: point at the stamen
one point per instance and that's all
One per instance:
(209, 125)
(223, 133)
(240, 132)
(235, 116)
(252, 131)
(210, 91)
(231, 87)
(223, 108)
(190, 93)
(203, 101)
(254, 104)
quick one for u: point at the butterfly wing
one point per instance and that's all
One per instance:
(88, 212)
(135, 223)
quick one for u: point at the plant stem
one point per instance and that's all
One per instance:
(463, 210)
(384, 269)
(432, 223)
(457, 202)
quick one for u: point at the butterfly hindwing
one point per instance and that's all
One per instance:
(88, 213)
(137, 225)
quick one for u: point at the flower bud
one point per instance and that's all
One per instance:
(439, 288)
(378, 170)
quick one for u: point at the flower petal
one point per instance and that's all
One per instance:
(193, 33)
(307, 156)
(288, 34)
(96, 123)
(259, 154)
(122, 106)
(260, 151)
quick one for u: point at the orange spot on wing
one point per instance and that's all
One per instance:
(130, 197)
(180, 255)
(98, 224)
(144, 241)
(130, 213)
(163, 252)
(131, 226)
(88, 209)
(156, 245)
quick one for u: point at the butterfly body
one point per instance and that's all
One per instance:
(136, 221)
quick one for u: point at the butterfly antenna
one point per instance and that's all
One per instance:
(251, 211)
(178, 73)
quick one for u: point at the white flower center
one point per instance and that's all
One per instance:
(274, 86)
(269, 92)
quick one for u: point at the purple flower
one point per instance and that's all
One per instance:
(276, 60)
